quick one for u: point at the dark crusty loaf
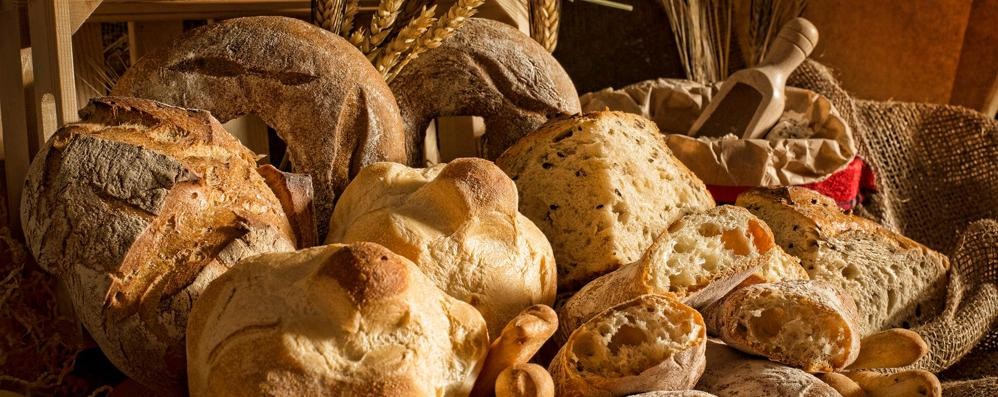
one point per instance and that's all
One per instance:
(335, 320)
(601, 186)
(486, 69)
(136, 209)
(318, 92)
(896, 282)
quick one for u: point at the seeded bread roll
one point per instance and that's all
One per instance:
(805, 324)
(601, 186)
(318, 92)
(894, 281)
(136, 209)
(700, 258)
(731, 373)
(458, 222)
(486, 69)
(335, 320)
(653, 342)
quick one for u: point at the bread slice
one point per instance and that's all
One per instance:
(601, 186)
(803, 323)
(896, 282)
(652, 342)
(700, 258)
(730, 373)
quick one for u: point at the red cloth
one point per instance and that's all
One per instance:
(843, 186)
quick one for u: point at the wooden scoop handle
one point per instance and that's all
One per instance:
(795, 42)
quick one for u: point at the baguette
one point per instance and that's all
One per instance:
(524, 380)
(895, 281)
(806, 324)
(518, 342)
(652, 342)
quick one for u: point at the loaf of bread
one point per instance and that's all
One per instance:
(731, 373)
(601, 186)
(136, 209)
(675, 393)
(459, 223)
(894, 281)
(803, 323)
(490, 70)
(652, 342)
(335, 320)
(699, 258)
(316, 90)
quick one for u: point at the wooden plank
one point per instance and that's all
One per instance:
(160, 10)
(52, 53)
(13, 121)
(145, 36)
(80, 10)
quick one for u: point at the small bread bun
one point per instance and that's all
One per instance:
(524, 380)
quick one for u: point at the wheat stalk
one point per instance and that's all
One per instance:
(544, 17)
(702, 29)
(352, 8)
(383, 20)
(442, 29)
(758, 23)
(405, 41)
(328, 14)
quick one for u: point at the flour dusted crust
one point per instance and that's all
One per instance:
(601, 186)
(731, 373)
(332, 320)
(895, 282)
(802, 323)
(699, 258)
(649, 343)
(318, 92)
(486, 69)
(138, 207)
(459, 223)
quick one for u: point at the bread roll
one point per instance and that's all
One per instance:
(805, 324)
(701, 257)
(320, 94)
(894, 281)
(520, 339)
(652, 342)
(136, 209)
(352, 320)
(730, 373)
(524, 380)
(458, 222)
(486, 69)
(892, 348)
(601, 186)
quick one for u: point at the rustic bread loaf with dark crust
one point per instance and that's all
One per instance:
(486, 69)
(335, 320)
(601, 186)
(136, 209)
(652, 342)
(895, 282)
(318, 92)
(731, 373)
(700, 258)
(459, 223)
(807, 324)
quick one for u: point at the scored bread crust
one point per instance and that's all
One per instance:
(490, 70)
(895, 281)
(601, 186)
(828, 314)
(332, 320)
(730, 373)
(699, 258)
(459, 223)
(138, 207)
(316, 90)
(616, 336)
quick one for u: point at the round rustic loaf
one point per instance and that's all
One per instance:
(459, 223)
(601, 186)
(335, 320)
(486, 69)
(136, 209)
(318, 92)
(730, 373)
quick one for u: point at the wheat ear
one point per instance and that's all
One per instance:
(329, 14)
(353, 7)
(383, 20)
(442, 29)
(544, 23)
(405, 41)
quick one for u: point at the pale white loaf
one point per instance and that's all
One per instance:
(601, 186)
(459, 223)
(335, 320)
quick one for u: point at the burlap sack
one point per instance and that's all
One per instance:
(937, 176)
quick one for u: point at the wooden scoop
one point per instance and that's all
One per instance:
(751, 100)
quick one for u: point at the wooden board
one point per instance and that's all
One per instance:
(12, 105)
